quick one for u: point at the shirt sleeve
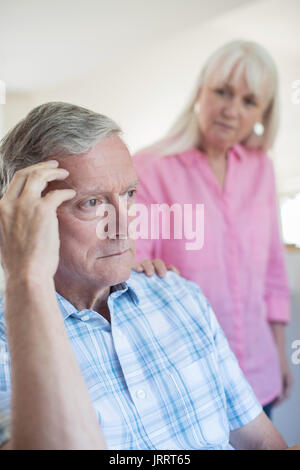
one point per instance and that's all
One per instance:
(242, 405)
(277, 292)
(5, 389)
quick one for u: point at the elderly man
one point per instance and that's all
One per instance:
(92, 354)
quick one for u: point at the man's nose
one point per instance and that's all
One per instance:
(121, 211)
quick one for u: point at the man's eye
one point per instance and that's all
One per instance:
(91, 203)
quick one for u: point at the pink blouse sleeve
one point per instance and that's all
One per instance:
(277, 292)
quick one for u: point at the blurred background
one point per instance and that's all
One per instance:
(137, 61)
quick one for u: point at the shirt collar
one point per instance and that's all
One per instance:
(68, 309)
(191, 156)
(239, 151)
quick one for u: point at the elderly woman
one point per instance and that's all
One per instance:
(215, 154)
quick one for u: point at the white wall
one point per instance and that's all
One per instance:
(145, 90)
(17, 106)
(1, 120)
(286, 416)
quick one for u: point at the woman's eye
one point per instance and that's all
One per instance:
(250, 101)
(221, 91)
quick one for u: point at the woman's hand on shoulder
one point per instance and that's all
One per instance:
(155, 266)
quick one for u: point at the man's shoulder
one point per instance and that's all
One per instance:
(170, 288)
(170, 280)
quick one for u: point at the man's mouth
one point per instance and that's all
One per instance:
(115, 254)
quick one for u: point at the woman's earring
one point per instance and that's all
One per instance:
(258, 128)
(196, 107)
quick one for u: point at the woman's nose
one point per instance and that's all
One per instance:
(232, 109)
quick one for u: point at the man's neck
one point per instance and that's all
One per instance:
(84, 296)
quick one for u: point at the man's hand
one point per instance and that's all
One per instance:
(47, 383)
(155, 266)
(29, 237)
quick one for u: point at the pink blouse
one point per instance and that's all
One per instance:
(240, 268)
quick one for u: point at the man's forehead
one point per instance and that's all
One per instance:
(90, 186)
(97, 181)
(107, 166)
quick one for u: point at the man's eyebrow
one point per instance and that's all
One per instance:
(132, 185)
(100, 190)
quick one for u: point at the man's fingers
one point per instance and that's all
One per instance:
(37, 180)
(56, 197)
(19, 179)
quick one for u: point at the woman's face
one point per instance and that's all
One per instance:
(228, 112)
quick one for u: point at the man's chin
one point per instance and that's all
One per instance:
(120, 278)
(115, 276)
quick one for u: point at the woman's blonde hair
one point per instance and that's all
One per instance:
(259, 68)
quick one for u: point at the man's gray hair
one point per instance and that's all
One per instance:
(53, 129)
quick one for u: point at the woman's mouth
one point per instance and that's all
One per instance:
(223, 125)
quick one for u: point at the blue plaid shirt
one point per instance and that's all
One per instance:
(161, 375)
